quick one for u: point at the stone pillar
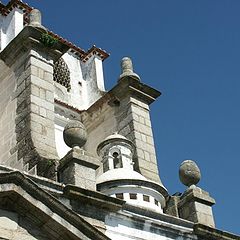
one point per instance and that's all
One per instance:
(133, 118)
(31, 61)
(195, 204)
(77, 167)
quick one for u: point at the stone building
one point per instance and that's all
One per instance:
(77, 161)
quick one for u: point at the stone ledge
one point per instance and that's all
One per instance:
(44, 183)
(30, 37)
(168, 219)
(144, 183)
(135, 88)
(197, 195)
(17, 182)
(78, 156)
(93, 198)
(209, 233)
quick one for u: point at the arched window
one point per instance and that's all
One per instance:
(61, 74)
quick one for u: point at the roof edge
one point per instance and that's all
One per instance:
(52, 203)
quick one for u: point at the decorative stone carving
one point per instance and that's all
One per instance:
(75, 134)
(61, 74)
(35, 18)
(127, 69)
(189, 173)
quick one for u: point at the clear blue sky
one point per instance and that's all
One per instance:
(190, 51)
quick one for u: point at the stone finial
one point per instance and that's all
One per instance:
(127, 69)
(35, 18)
(75, 134)
(195, 204)
(189, 173)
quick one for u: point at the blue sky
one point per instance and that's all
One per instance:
(190, 51)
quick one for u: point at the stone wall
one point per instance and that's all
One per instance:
(134, 123)
(7, 116)
(15, 227)
(32, 88)
(125, 111)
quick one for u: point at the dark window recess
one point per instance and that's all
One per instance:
(119, 195)
(133, 195)
(61, 74)
(156, 202)
(146, 198)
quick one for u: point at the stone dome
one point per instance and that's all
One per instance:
(115, 137)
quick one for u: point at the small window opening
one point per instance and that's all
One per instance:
(119, 195)
(146, 198)
(133, 195)
(117, 161)
(156, 202)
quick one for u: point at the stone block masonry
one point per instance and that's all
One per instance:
(33, 102)
(125, 109)
(7, 117)
(135, 124)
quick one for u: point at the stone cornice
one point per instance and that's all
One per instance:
(52, 203)
(209, 233)
(130, 86)
(143, 183)
(30, 38)
(197, 195)
(93, 198)
(79, 156)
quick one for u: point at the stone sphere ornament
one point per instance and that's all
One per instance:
(75, 134)
(189, 173)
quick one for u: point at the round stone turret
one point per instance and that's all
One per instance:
(127, 69)
(189, 173)
(116, 152)
(75, 134)
(119, 179)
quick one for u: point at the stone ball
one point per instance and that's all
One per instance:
(189, 173)
(75, 134)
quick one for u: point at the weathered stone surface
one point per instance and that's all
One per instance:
(130, 118)
(78, 168)
(43, 210)
(172, 206)
(127, 69)
(189, 173)
(195, 205)
(32, 101)
(75, 134)
(208, 233)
